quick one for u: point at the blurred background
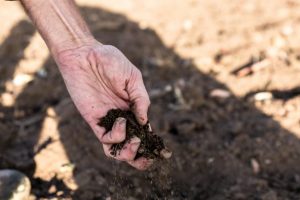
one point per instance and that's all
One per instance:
(224, 82)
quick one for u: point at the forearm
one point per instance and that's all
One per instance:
(59, 22)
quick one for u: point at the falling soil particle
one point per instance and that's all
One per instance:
(151, 147)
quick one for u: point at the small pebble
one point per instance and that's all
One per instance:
(262, 96)
(42, 73)
(14, 185)
(165, 153)
(255, 166)
(220, 93)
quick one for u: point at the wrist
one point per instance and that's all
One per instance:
(59, 23)
(71, 44)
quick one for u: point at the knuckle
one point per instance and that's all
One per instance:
(147, 101)
(103, 138)
(127, 156)
(118, 135)
(110, 47)
(139, 73)
(143, 103)
(121, 137)
(131, 157)
(110, 50)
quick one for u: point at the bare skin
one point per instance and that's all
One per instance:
(98, 77)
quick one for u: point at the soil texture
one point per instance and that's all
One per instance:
(223, 80)
(151, 144)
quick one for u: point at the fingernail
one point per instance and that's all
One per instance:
(120, 120)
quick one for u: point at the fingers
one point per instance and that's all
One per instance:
(141, 163)
(140, 109)
(127, 153)
(139, 97)
(129, 150)
(117, 134)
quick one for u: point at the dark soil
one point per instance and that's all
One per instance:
(151, 144)
(228, 145)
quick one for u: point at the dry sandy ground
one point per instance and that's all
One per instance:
(230, 140)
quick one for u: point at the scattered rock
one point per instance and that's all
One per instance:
(7, 99)
(187, 25)
(42, 73)
(14, 185)
(220, 93)
(52, 189)
(22, 79)
(255, 166)
(165, 153)
(287, 30)
(262, 96)
(154, 93)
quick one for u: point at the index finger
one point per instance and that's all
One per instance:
(116, 135)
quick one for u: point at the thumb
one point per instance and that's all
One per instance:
(139, 98)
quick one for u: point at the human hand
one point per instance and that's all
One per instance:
(99, 78)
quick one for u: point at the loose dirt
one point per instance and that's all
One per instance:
(151, 144)
(227, 143)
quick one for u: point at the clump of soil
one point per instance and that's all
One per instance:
(151, 147)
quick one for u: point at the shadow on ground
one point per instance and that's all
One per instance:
(213, 140)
